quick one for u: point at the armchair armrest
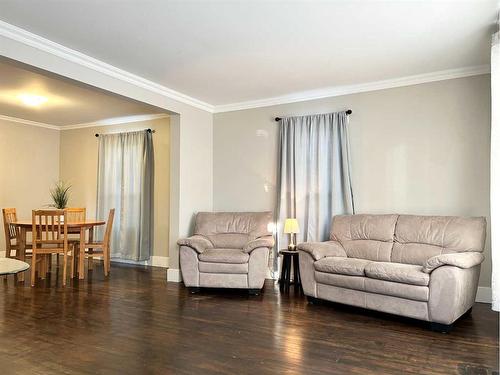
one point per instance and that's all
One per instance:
(320, 250)
(196, 242)
(265, 241)
(460, 260)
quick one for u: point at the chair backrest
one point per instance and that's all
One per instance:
(76, 214)
(232, 229)
(9, 216)
(50, 227)
(109, 227)
(407, 239)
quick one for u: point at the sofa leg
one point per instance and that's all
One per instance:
(443, 328)
(193, 289)
(468, 312)
(312, 300)
(253, 292)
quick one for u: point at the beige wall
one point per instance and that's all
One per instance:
(29, 167)
(192, 158)
(78, 166)
(420, 149)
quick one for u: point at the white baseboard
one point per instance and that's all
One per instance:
(154, 261)
(174, 275)
(483, 294)
(159, 261)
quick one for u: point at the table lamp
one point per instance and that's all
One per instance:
(291, 228)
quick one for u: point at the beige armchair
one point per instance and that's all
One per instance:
(227, 250)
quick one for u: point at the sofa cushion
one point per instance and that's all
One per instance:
(343, 266)
(343, 281)
(223, 267)
(421, 237)
(397, 272)
(224, 256)
(369, 249)
(365, 236)
(390, 288)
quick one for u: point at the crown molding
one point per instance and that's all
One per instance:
(115, 121)
(29, 122)
(20, 35)
(358, 88)
(104, 122)
(23, 36)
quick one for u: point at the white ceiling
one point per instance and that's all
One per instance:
(68, 103)
(224, 52)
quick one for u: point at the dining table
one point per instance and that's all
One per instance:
(81, 227)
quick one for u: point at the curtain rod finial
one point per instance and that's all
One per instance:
(97, 135)
(348, 111)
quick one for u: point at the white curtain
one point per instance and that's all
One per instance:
(495, 171)
(313, 179)
(125, 182)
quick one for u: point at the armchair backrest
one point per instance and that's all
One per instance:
(232, 229)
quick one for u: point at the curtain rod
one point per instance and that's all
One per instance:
(149, 131)
(348, 112)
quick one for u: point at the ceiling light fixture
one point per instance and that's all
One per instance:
(32, 100)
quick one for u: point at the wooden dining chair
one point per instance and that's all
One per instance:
(50, 236)
(11, 233)
(74, 215)
(102, 248)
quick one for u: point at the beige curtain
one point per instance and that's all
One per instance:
(125, 182)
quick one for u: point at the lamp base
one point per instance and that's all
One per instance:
(292, 247)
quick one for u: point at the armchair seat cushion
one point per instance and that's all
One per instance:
(234, 256)
(342, 266)
(209, 267)
(397, 272)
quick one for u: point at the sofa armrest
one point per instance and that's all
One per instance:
(461, 260)
(196, 242)
(452, 291)
(320, 250)
(264, 241)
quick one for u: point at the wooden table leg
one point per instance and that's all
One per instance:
(283, 273)
(22, 251)
(81, 258)
(296, 273)
(91, 239)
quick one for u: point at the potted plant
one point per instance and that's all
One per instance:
(60, 195)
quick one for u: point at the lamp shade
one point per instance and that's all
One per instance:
(291, 226)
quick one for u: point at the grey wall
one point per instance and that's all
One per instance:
(420, 149)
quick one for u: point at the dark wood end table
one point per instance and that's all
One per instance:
(290, 260)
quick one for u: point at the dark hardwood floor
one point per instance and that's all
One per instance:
(136, 323)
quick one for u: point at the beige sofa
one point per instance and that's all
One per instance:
(227, 250)
(423, 267)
